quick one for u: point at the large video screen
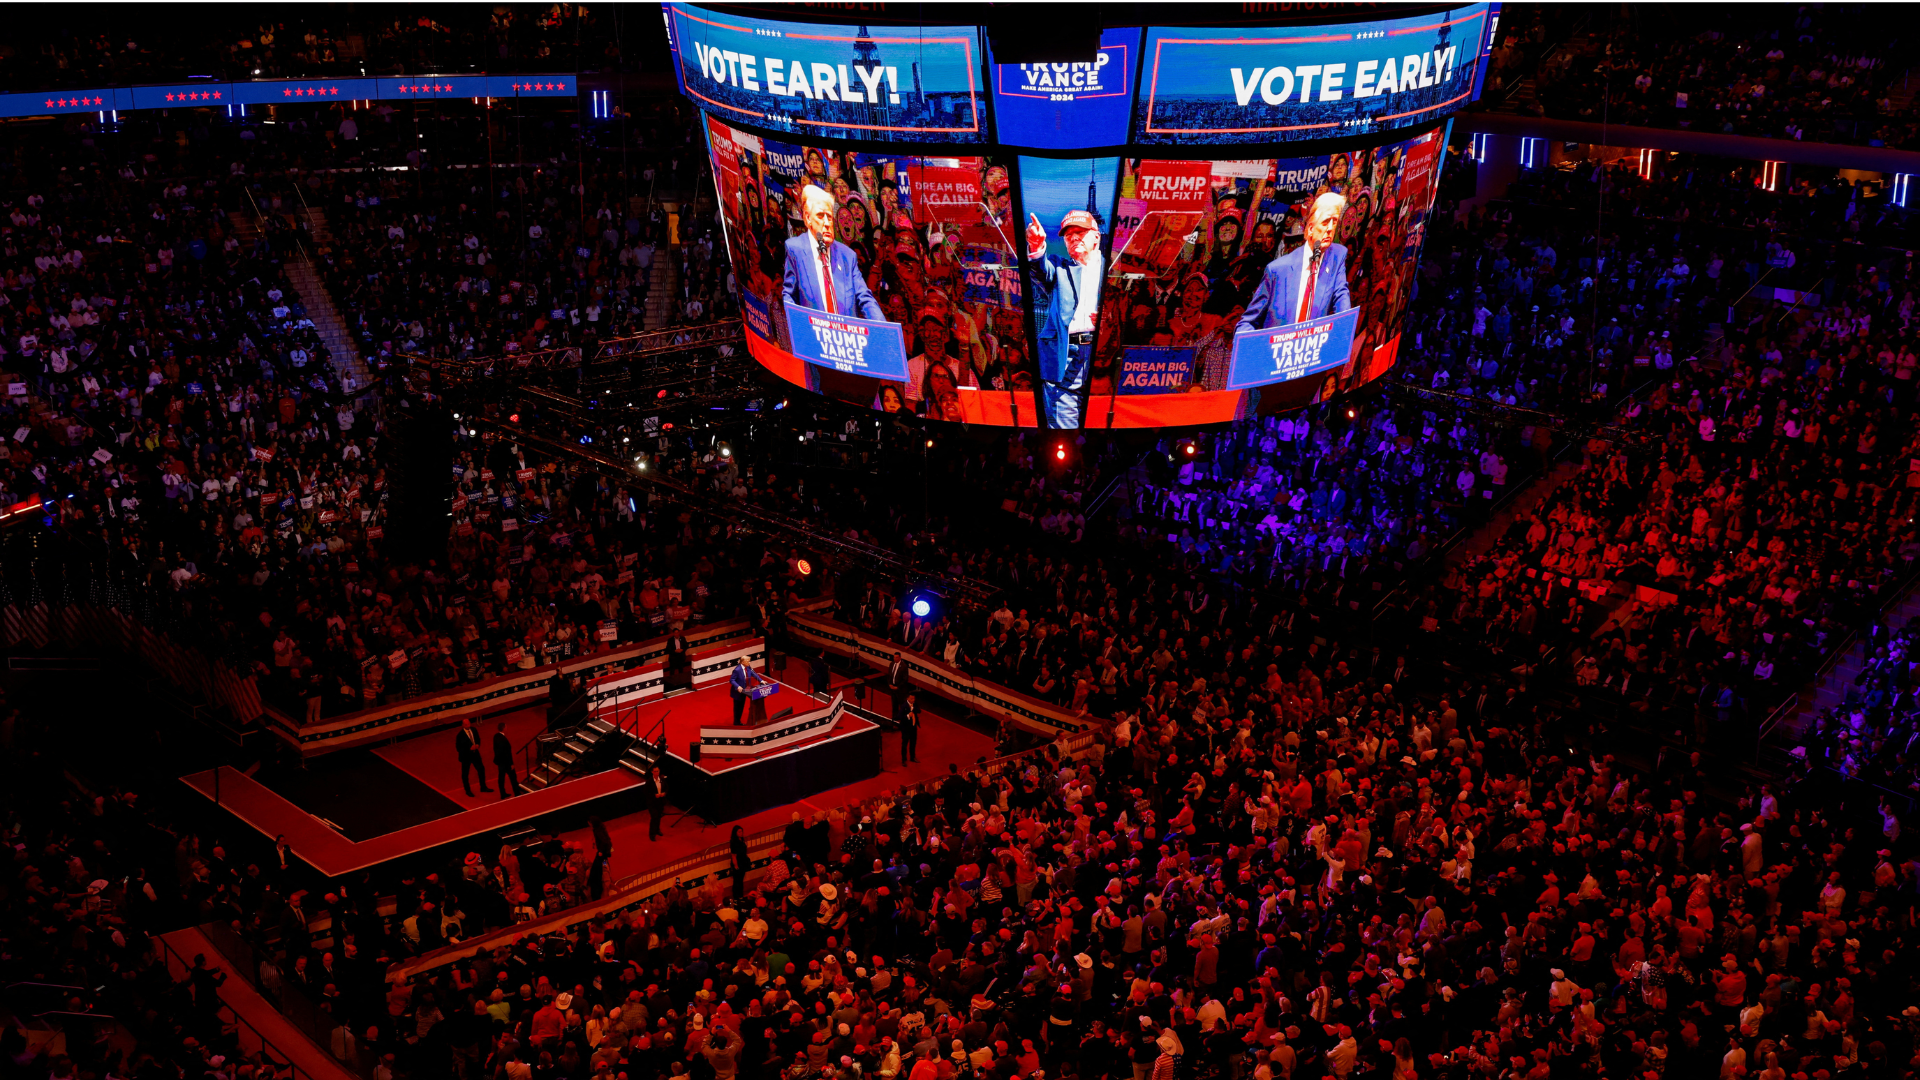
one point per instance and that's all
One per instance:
(886, 279)
(1228, 85)
(1069, 293)
(1286, 277)
(918, 84)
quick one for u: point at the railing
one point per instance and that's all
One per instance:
(631, 346)
(1794, 701)
(313, 1021)
(267, 1048)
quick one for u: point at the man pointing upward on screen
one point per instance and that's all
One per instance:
(1071, 290)
(823, 273)
(1308, 282)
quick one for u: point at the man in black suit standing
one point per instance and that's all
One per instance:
(897, 683)
(819, 675)
(503, 761)
(910, 729)
(656, 803)
(466, 743)
(679, 664)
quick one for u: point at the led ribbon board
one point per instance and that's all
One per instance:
(207, 93)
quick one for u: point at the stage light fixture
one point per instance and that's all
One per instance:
(922, 603)
(803, 566)
(1060, 452)
(513, 418)
(929, 444)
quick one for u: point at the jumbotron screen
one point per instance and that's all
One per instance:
(893, 250)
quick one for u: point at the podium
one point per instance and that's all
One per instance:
(757, 696)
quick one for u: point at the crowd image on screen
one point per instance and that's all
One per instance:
(930, 238)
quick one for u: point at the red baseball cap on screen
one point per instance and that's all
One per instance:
(1078, 219)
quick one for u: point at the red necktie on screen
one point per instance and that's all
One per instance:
(1306, 298)
(826, 282)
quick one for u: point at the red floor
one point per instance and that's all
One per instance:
(431, 760)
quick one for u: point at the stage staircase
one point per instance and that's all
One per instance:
(602, 743)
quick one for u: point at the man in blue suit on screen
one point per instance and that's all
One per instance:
(1308, 282)
(1069, 289)
(822, 273)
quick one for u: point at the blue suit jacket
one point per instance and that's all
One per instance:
(1276, 301)
(851, 297)
(1056, 282)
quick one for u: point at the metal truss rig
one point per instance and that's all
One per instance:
(1513, 413)
(871, 558)
(457, 372)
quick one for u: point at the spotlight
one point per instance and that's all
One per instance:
(1060, 452)
(1350, 414)
(456, 416)
(801, 567)
(726, 452)
(513, 418)
(1188, 449)
(929, 444)
(923, 603)
(624, 440)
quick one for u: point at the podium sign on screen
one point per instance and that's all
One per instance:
(843, 343)
(1281, 353)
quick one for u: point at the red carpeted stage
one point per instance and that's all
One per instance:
(361, 808)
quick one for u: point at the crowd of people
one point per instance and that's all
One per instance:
(93, 879)
(1335, 822)
(1797, 72)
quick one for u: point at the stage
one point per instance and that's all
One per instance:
(360, 808)
(838, 747)
(333, 851)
